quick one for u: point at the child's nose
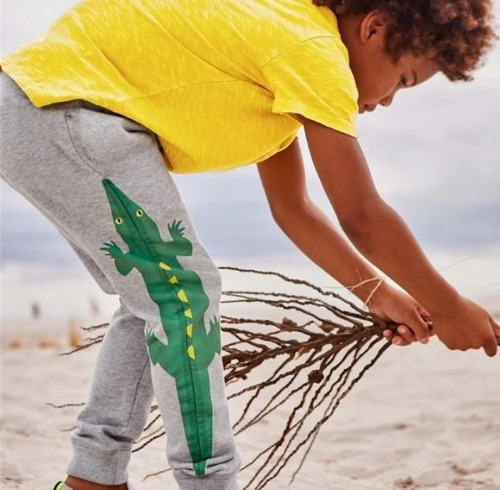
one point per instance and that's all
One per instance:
(387, 101)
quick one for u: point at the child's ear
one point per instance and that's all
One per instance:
(372, 26)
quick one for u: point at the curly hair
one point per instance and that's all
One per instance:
(455, 34)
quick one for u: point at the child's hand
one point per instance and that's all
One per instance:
(403, 336)
(412, 320)
(465, 325)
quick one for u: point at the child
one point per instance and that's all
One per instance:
(118, 93)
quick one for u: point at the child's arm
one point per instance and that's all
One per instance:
(376, 231)
(308, 227)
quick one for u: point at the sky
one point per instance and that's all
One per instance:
(434, 155)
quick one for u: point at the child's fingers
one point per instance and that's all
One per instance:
(495, 327)
(491, 346)
(397, 339)
(420, 328)
(424, 314)
(400, 341)
(406, 334)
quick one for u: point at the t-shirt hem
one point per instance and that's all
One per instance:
(294, 107)
(23, 83)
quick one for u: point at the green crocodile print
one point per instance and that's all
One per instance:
(182, 303)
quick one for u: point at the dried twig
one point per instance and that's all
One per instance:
(301, 367)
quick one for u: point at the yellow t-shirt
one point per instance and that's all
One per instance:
(219, 81)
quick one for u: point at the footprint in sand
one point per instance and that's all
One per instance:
(452, 478)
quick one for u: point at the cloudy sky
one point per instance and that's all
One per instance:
(434, 155)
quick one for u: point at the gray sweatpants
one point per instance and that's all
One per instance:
(101, 181)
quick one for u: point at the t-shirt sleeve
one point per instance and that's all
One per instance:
(313, 79)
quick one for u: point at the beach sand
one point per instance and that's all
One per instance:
(422, 418)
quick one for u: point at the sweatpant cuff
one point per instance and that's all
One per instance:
(209, 483)
(104, 467)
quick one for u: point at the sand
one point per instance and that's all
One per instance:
(423, 418)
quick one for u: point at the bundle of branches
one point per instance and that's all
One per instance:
(297, 352)
(301, 357)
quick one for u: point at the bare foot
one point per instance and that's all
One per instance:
(79, 484)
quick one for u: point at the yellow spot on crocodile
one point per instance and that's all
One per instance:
(189, 330)
(182, 296)
(164, 266)
(190, 351)
(173, 280)
(188, 313)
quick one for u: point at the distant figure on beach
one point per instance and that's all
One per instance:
(35, 310)
(94, 306)
(118, 94)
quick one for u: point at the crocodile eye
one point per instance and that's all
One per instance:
(139, 213)
(118, 221)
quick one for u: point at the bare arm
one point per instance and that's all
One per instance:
(310, 229)
(307, 226)
(375, 229)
